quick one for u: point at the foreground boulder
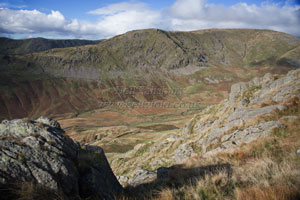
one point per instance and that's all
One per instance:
(40, 152)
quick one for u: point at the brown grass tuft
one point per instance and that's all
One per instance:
(268, 193)
(269, 102)
(166, 194)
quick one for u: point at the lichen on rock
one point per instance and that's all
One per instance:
(39, 151)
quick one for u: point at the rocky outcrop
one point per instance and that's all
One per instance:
(40, 152)
(183, 152)
(251, 113)
(142, 176)
(81, 72)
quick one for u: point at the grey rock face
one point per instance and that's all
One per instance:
(82, 72)
(231, 141)
(32, 153)
(236, 90)
(287, 118)
(187, 128)
(183, 152)
(50, 122)
(253, 132)
(39, 152)
(96, 176)
(248, 115)
(142, 176)
(123, 179)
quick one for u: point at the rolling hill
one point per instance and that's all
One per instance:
(203, 64)
(11, 46)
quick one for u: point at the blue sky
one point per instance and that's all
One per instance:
(76, 8)
(79, 8)
(96, 19)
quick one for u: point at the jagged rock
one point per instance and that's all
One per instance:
(142, 176)
(187, 128)
(282, 88)
(298, 152)
(30, 153)
(267, 78)
(250, 134)
(245, 117)
(123, 179)
(236, 90)
(48, 121)
(183, 152)
(289, 117)
(281, 95)
(159, 162)
(256, 81)
(39, 152)
(96, 176)
(248, 114)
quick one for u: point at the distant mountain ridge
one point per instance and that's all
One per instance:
(173, 52)
(196, 62)
(24, 46)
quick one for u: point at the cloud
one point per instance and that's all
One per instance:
(188, 9)
(119, 7)
(122, 17)
(241, 15)
(35, 22)
(30, 21)
(25, 21)
(115, 19)
(183, 15)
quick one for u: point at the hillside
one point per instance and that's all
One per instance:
(246, 147)
(18, 47)
(203, 64)
(254, 133)
(179, 53)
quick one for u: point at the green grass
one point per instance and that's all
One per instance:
(196, 88)
(117, 148)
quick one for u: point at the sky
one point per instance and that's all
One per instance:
(100, 19)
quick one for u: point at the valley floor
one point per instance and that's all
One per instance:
(139, 150)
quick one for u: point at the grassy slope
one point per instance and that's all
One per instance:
(170, 50)
(151, 58)
(11, 46)
(263, 169)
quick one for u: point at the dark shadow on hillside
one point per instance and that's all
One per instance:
(173, 177)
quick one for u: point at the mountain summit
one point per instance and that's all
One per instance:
(78, 78)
